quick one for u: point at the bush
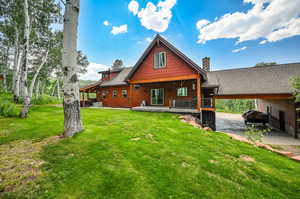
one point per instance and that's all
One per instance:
(45, 99)
(7, 108)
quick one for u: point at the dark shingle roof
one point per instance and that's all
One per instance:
(254, 80)
(119, 79)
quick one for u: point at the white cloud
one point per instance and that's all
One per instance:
(133, 7)
(156, 17)
(239, 49)
(149, 39)
(272, 20)
(92, 72)
(119, 29)
(201, 23)
(106, 23)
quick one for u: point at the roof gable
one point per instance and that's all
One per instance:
(169, 46)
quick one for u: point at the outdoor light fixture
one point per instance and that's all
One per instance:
(193, 86)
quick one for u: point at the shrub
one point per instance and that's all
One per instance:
(8, 109)
(255, 135)
(45, 99)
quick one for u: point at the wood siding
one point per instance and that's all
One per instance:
(111, 101)
(175, 66)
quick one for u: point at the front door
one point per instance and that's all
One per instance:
(157, 96)
(282, 120)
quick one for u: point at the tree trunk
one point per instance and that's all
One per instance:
(16, 70)
(53, 89)
(37, 89)
(43, 88)
(5, 71)
(26, 97)
(58, 88)
(36, 74)
(72, 120)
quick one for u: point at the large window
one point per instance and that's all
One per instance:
(157, 96)
(160, 60)
(182, 92)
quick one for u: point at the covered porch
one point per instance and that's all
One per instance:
(182, 95)
(88, 94)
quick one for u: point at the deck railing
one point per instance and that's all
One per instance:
(192, 103)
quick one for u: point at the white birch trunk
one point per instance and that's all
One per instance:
(16, 69)
(53, 89)
(5, 69)
(24, 70)
(36, 74)
(72, 120)
(58, 88)
(37, 89)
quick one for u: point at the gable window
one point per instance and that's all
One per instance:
(124, 92)
(114, 93)
(160, 60)
(182, 92)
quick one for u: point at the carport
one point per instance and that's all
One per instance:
(268, 85)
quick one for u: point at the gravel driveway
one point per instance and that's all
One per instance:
(234, 123)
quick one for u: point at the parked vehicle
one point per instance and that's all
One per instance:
(253, 116)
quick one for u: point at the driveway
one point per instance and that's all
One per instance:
(234, 123)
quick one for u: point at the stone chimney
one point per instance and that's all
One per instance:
(206, 64)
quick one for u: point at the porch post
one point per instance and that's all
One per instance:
(131, 94)
(198, 93)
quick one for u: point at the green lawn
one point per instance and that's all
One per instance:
(125, 154)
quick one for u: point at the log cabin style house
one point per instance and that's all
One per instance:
(165, 80)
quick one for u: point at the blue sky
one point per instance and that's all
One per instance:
(265, 32)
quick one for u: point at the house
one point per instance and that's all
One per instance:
(1, 77)
(165, 80)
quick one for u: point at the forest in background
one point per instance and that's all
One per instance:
(234, 105)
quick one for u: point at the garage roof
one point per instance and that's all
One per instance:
(273, 79)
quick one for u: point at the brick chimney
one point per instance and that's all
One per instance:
(206, 64)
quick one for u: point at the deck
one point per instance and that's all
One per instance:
(164, 109)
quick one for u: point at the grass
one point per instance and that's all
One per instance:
(124, 154)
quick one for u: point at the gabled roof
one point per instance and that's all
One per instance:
(159, 38)
(90, 86)
(119, 79)
(272, 79)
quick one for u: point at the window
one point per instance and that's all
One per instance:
(160, 60)
(114, 93)
(182, 92)
(124, 92)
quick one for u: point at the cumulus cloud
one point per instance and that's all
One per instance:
(239, 49)
(154, 17)
(133, 7)
(92, 72)
(106, 23)
(119, 29)
(272, 20)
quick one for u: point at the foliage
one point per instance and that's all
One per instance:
(45, 99)
(255, 134)
(126, 154)
(265, 64)
(7, 108)
(234, 106)
(295, 83)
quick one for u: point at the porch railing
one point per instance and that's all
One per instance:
(192, 103)
(208, 102)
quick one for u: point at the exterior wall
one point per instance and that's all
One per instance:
(170, 92)
(175, 66)
(111, 101)
(110, 75)
(285, 105)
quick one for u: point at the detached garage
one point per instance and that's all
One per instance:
(269, 85)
